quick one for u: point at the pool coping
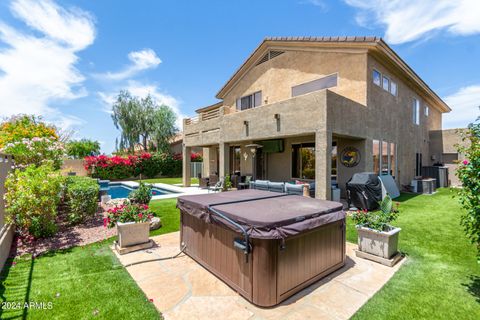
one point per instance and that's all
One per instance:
(176, 190)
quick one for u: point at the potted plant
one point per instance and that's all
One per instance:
(141, 195)
(376, 236)
(133, 225)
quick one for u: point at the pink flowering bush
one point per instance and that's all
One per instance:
(468, 172)
(146, 164)
(127, 213)
(36, 151)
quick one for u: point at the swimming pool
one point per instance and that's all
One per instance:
(118, 190)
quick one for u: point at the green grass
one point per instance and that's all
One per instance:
(440, 278)
(80, 283)
(169, 180)
(168, 213)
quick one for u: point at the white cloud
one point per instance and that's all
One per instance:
(140, 61)
(317, 3)
(409, 20)
(38, 70)
(465, 107)
(142, 90)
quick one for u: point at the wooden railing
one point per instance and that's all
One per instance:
(204, 116)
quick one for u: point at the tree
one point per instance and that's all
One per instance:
(24, 126)
(142, 120)
(164, 127)
(469, 174)
(79, 149)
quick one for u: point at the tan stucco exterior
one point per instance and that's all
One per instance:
(351, 114)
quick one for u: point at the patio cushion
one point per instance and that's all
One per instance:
(276, 187)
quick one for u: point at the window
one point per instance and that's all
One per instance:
(303, 161)
(251, 101)
(393, 88)
(376, 156)
(386, 83)
(384, 158)
(315, 85)
(427, 111)
(235, 156)
(418, 164)
(416, 111)
(377, 76)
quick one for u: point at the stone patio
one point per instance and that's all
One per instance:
(182, 289)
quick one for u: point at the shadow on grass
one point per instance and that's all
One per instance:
(473, 287)
(21, 283)
(404, 196)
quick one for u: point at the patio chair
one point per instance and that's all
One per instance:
(276, 187)
(218, 186)
(203, 183)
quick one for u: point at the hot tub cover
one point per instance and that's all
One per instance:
(264, 214)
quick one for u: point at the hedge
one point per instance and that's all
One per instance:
(81, 196)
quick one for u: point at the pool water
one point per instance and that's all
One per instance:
(121, 191)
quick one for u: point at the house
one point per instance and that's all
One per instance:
(318, 109)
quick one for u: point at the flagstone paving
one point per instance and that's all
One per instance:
(181, 289)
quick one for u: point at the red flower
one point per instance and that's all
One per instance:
(465, 162)
(140, 215)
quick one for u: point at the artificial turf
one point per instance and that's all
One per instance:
(79, 283)
(168, 213)
(441, 277)
(169, 180)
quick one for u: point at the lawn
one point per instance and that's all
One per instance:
(169, 180)
(168, 213)
(79, 283)
(441, 278)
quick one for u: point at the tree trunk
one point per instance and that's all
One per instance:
(145, 146)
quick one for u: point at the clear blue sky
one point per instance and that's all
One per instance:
(66, 60)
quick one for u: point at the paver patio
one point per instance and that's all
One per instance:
(182, 289)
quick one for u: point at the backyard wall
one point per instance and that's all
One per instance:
(74, 165)
(6, 230)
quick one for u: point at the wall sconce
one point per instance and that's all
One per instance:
(245, 155)
(277, 118)
(245, 123)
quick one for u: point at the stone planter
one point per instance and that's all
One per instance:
(133, 236)
(380, 246)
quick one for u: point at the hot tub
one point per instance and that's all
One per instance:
(267, 246)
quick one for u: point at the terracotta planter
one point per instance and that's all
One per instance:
(131, 233)
(383, 244)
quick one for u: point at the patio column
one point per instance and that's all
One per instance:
(224, 159)
(206, 162)
(323, 164)
(186, 152)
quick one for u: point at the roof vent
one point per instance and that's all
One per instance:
(269, 55)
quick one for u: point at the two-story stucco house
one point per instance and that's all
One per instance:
(320, 109)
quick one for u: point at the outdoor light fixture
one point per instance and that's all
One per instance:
(277, 116)
(253, 148)
(245, 123)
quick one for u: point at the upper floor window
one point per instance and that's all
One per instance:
(416, 111)
(386, 83)
(377, 77)
(393, 88)
(315, 85)
(427, 111)
(251, 101)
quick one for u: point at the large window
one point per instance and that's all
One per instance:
(427, 111)
(303, 161)
(416, 111)
(251, 101)
(384, 158)
(315, 85)
(386, 83)
(393, 88)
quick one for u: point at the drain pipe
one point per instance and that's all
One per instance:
(182, 250)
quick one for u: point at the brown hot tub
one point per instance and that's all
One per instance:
(267, 246)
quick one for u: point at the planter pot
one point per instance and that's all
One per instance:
(382, 244)
(131, 233)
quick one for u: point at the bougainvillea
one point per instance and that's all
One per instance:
(23, 126)
(469, 174)
(146, 164)
(194, 157)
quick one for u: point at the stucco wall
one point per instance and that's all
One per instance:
(276, 77)
(74, 165)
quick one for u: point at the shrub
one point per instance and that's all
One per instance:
(24, 126)
(32, 197)
(469, 174)
(79, 149)
(141, 195)
(378, 220)
(36, 151)
(81, 196)
(118, 167)
(127, 213)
